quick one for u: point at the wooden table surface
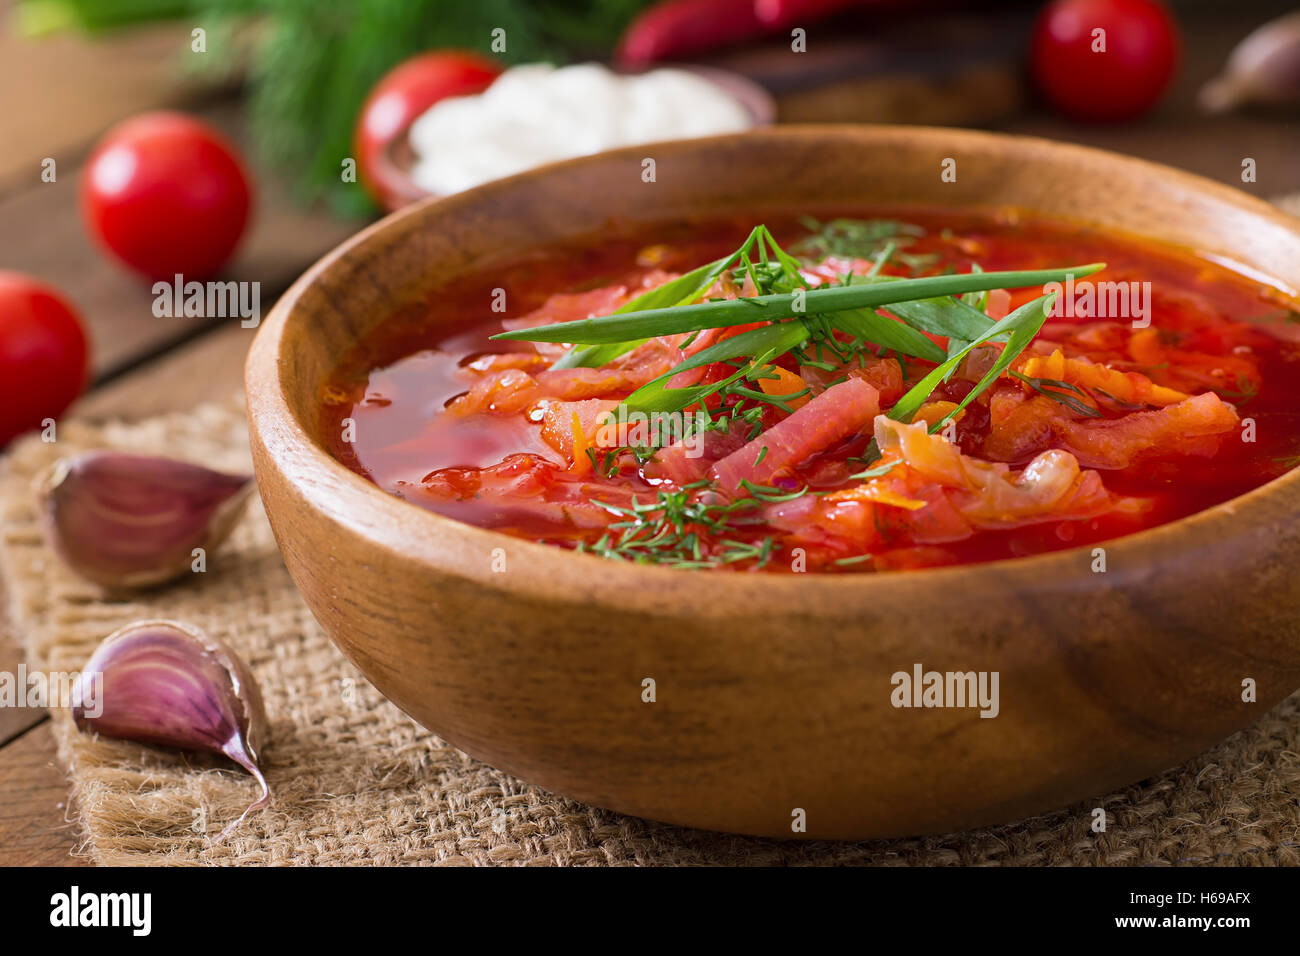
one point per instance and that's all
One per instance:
(55, 98)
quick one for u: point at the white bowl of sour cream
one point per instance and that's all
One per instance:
(537, 114)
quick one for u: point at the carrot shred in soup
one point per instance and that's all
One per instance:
(882, 392)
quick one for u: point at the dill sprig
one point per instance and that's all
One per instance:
(1245, 390)
(1058, 391)
(878, 471)
(871, 239)
(671, 529)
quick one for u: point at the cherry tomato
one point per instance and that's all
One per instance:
(42, 354)
(166, 194)
(1121, 81)
(398, 99)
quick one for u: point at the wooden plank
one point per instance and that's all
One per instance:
(57, 95)
(35, 826)
(205, 369)
(1228, 140)
(93, 83)
(1179, 134)
(868, 66)
(14, 721)
(41, 233)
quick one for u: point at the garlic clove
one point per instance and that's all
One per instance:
(1264, 68)
(165, 683)
(134, 521)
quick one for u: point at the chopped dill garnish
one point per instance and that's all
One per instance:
(1118, 402)
(1244, 392)
(606, 462)
(870, 239)
(770, 493)
(779, 401)
(1057, 392)
(878, 470)
(668, 530)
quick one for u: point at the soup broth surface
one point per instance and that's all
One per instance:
(1105, 424)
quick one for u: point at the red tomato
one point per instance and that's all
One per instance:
(166, 194)
(1083, 81)
(398, 99)
(42, 354)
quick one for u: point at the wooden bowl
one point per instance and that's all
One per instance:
(772, 693)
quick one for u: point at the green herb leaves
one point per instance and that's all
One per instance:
(867, 325)
(1058, 392)
(678, 292)
(1019, 326)
(778, 273)
(764, 344)
(796, 315)
(668, 530)
(623, 327)
(877, 239)
(939, 305)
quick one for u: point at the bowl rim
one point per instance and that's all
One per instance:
(419, 534)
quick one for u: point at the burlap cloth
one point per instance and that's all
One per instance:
(355, 781)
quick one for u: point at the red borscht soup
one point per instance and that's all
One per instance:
(873, 392)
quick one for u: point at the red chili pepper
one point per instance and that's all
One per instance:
(679, 28)
(778, 14)
(676, 28)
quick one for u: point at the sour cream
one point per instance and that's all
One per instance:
(538, 114)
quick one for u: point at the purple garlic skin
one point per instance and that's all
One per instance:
(127, 521)
(165, 683)
(1263, 69)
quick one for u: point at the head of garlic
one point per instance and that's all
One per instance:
(165, 683)
(129, 521)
